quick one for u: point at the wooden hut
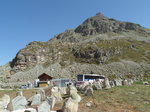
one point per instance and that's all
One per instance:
(45, 77)
(44, 80)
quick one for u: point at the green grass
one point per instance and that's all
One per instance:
(113, 44)
(135, 98)
(136, 95)
(138, 53)
(118, 49)
(12, 93)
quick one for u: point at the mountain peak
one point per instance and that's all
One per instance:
(101, 24)
(75, 52)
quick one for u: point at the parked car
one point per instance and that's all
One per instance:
(23, 86)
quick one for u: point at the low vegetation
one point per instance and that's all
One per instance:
(12, 93)
(133, 98)
(114, 51)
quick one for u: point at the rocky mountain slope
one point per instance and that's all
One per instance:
(99, 45)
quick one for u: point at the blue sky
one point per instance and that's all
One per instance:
(24, 21)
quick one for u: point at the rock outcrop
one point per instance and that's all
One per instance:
(101, 24)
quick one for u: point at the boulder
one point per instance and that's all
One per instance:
(42, 92)
(36, 99)
(19, 93)
(118, 82)
(106, 83)
(112, 83)
(63, 90)
(44, 107)
(72, 89)
(56, 93)
(76, 97)
(89, 91)
(19, 102)
(81, 87)
(89, 104)
(97, 85)
(70, 105)
(4, 101)
(125, 82)
(130, 81)
(51, 101)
